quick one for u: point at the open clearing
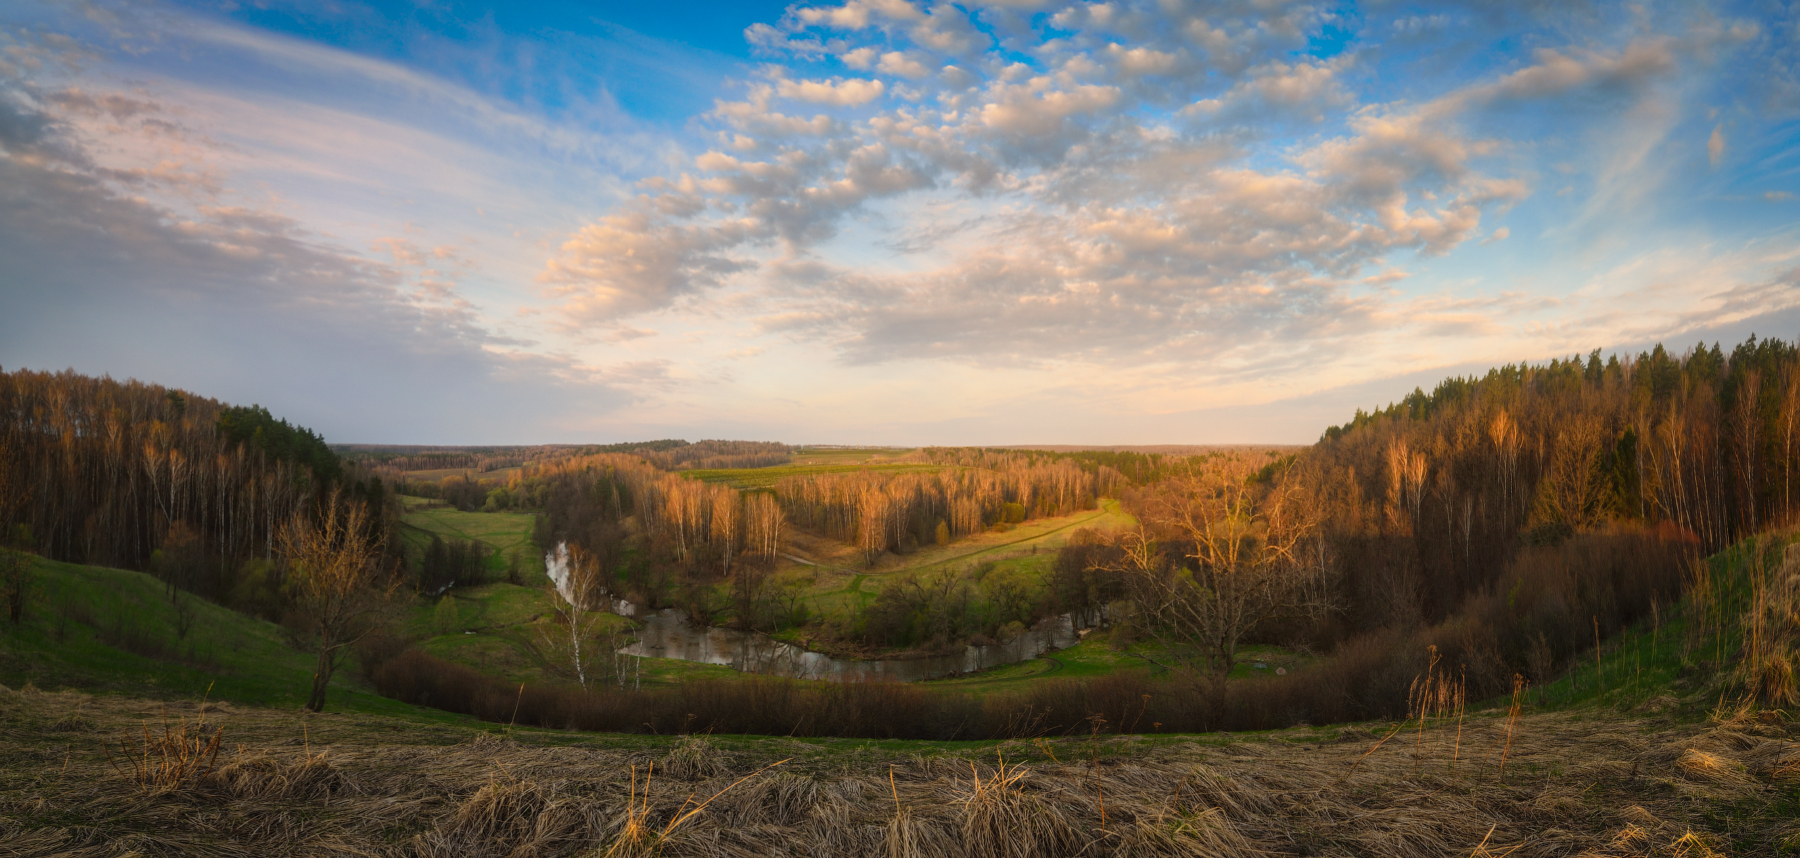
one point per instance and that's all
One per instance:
(832, 576)
(504, 533)
(1596, 783)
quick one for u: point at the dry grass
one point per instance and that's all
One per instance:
(1587, 783)
(173, 757)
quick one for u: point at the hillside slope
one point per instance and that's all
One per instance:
(114, 631)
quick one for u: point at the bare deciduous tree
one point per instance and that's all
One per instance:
(1250, 552)
(576, 586)
(764, 521)
(1790, 421)
(335, 579)
(1572, 491)
(1746, 439)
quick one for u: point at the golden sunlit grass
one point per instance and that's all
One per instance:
(169, 758)
(1587, 782)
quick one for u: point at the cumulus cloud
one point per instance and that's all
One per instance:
(1304, 88)
(635, 261)
(1113, 233)
(838, 93)
(902, 65)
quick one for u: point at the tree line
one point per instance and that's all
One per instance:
(102, 471)
(719, 454)
(1434, 494)
(880, 511)
(1505, 521)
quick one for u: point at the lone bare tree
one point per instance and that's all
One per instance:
(576, 587)
(334, 577)
(1248, 551)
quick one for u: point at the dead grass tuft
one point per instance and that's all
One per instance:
(73, 722)
(1711, 767)
(693, 758)
(910, 835)
(1235, 796)
(171, 759)
(782, 798)
(1205, 834)
(266, 778)
(500, 809)
(1001, 819)
(1690, 845)
(1638, 816)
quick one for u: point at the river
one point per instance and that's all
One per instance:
(669, 634)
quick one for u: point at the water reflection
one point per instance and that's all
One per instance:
(669, 634)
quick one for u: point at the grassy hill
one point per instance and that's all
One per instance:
(114, 631)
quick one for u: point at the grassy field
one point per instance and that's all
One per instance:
(1594, 782)
(504, 534)
(835, 579)
(499, 628)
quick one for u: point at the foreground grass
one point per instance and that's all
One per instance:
(1590, 782)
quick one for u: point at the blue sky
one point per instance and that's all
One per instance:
(882, 221)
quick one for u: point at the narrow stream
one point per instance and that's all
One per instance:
(669, 634)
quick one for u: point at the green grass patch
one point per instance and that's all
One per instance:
(113, 631)
(1684, 649)
(504, 533)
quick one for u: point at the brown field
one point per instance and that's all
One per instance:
(94, 776)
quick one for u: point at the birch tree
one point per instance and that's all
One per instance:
(574, 592)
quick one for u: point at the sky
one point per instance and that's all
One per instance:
(882, 221)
